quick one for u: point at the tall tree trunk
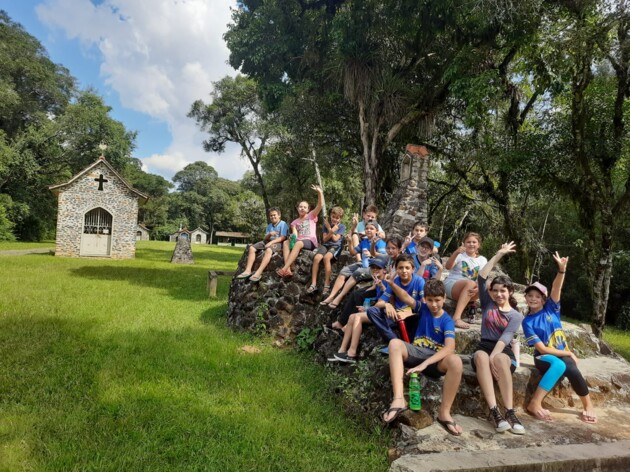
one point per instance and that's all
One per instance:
(369, 141)
(602, 271)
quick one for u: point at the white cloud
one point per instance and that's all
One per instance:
(159, 56)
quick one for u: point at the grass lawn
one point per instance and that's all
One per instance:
(126, 365)
(8, 245)
(619, 340)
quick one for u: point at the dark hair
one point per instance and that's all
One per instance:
(396, 240)
(371, 209)
(421, 224)
(404, 258)
(507, 283)
(276, 209)
(307, 204)
(434, 288)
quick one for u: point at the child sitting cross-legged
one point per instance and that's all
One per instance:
(370, 246)
(303, 233)
(275, 234)
(332, 235)
(432, 354)
(352, 334)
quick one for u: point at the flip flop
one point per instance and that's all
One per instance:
(323, 303)
(397, 412)
(255, 278)
(446, 424)
(311, 289)
(332, 306)
(244, 275)
(588, 419)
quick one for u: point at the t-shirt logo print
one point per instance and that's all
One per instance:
(304, 229)
(469, 272)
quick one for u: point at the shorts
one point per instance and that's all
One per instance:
(417, 355)
(260, 246)
(448, 285)
(487, 346)
(362, 274)
(348, 270)
(323, 250)
(308, 244)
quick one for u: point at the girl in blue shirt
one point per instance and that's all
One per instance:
(552, 357)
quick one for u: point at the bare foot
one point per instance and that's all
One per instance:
(337, 325)
(539, 413)
(461, 324)
(589, 416)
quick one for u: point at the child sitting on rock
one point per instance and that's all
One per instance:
(428, 266)
(552, 357)
(275, 234)
(432, 354)
(370, 246)
(356, 299)
(370, 213)
(303, 233)
(332, 235)
(352, 333)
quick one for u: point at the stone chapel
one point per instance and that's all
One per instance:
(97, 214)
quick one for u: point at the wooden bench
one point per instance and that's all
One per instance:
(213, 279)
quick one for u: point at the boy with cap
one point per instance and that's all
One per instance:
(352, 334)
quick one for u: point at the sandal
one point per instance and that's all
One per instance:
(447, 425)
(255, 278)
(332, 306)
(324, 303)
(311, 289)
(397, 412)
(244, 275)
(326, 290)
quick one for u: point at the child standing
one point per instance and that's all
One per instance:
(329, 250)
(494, 357)
(543, 330)
(275, 234)
(432, 353)
(303, 231)
(461, 283)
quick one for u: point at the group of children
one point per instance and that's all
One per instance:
(405, 294)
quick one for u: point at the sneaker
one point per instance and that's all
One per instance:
(344, 357)
(500, 425)
(515, 424)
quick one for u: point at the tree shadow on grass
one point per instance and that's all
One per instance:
(180, 282)
(163, 399)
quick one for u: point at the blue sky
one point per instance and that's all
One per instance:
(149, 59)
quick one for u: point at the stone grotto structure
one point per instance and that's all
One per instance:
(97, 214)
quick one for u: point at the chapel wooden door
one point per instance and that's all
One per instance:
(96, 239)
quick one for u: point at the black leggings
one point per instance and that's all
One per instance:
(353, 300)
(571, 372)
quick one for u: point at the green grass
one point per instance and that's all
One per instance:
(8, 245)
(126, 365)
(619, 340)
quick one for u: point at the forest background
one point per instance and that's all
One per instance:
(524, 106)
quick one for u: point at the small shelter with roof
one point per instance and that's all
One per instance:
(233, 238)
(97, 214)
(142, 233)
(196, 236)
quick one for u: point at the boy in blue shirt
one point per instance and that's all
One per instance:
(432, 353)
(390, 308)
(427, 265)
(275, 233)
(332, 235)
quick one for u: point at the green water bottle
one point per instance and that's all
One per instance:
(415, 403)
(292, 241)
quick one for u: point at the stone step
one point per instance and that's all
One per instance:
(600, 457)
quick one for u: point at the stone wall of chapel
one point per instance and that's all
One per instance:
(83, 195)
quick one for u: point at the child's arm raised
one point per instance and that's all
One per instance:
(451, 260)
(556, 288)
(399, 292)
(506, 248)
(320, 200)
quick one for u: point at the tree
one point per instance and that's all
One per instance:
(235, 114)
